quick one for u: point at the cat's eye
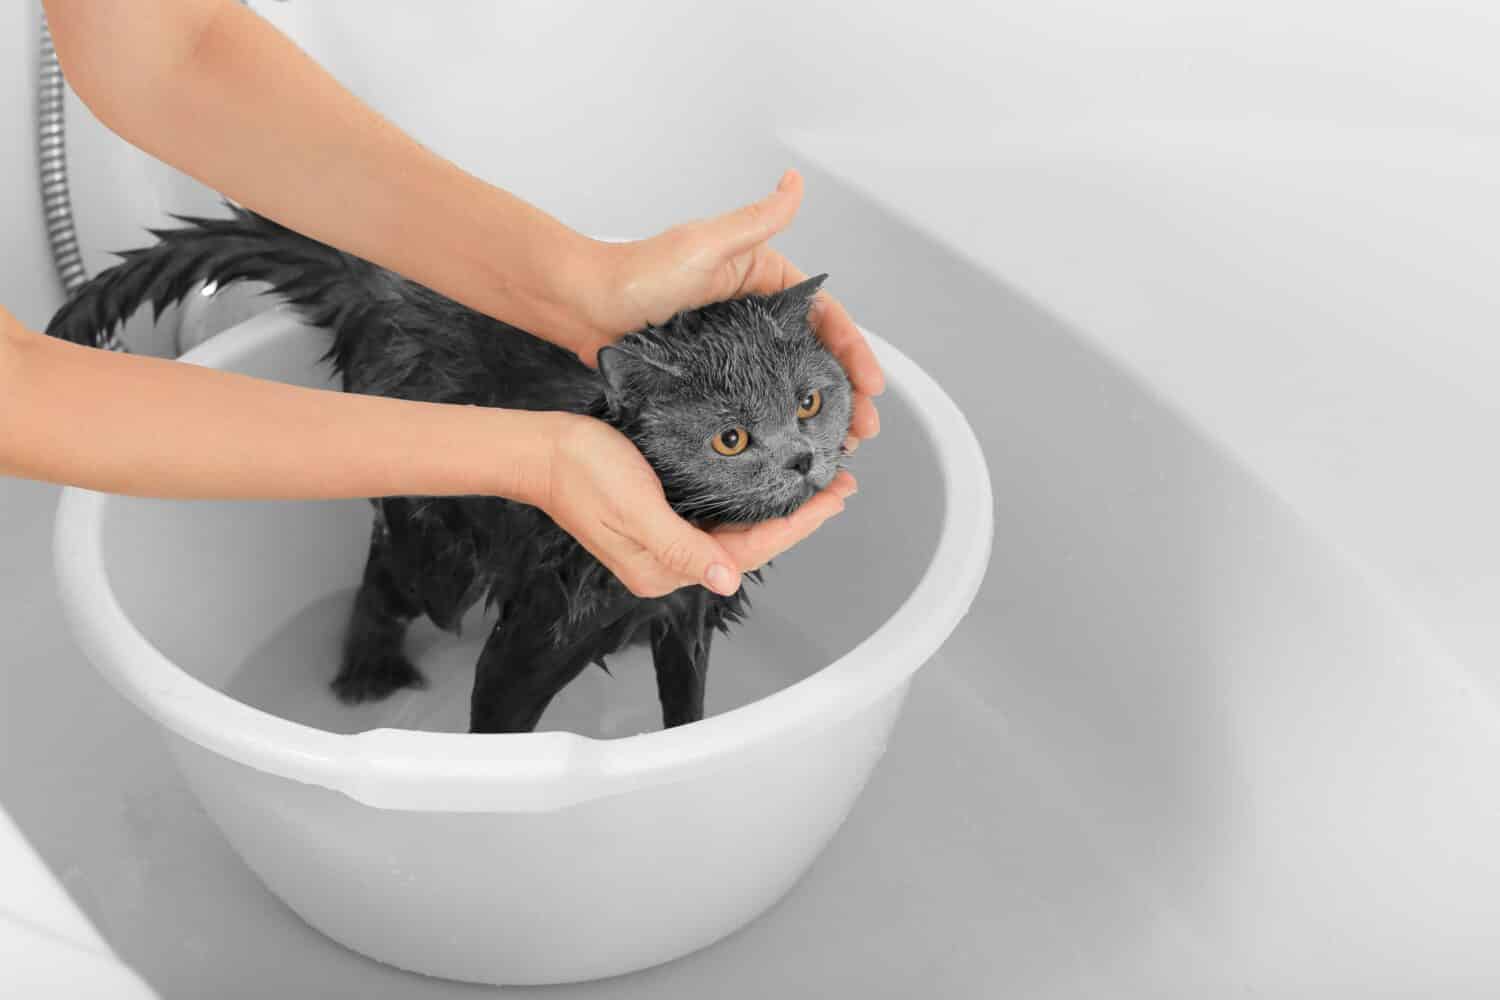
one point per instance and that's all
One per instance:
(809, 405)
(731, 442)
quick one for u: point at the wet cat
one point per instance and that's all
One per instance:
(737, 406)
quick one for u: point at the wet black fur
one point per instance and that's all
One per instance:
(559, 609)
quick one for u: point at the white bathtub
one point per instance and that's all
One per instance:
(1222, 717)
(1237, 382)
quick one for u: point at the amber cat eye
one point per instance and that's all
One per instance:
(732, 441)
(809, 405)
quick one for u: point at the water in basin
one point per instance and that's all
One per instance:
(287, 674)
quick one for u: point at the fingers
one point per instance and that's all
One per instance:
(834, 327)
(755, 545)
(844, 484)
(675, 554)
(746, 228)
(771, 272)
(866, 420)
(611, 501)
(647, 572)
(684, 554)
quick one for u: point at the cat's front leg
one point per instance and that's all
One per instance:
(519, 673)
(374, 664)
(680, 645)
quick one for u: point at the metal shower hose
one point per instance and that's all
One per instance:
(52, 168)
(52, 171)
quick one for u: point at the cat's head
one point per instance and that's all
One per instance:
(737, 406)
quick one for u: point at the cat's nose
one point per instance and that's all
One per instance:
(800, 463)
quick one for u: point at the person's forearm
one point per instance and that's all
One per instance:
(149, 427)
(213, 89)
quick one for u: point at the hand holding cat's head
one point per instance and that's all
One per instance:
(738, 406)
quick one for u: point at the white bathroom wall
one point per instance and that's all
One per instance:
(620, 117)
(625, 117)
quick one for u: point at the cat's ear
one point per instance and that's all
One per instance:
(789, 307)
(629, 371)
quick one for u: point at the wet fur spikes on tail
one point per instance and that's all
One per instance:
(243, 247)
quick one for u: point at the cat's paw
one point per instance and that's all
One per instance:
(376, 676)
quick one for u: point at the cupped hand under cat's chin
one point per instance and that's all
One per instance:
(711, 260)
(754, 545)
(600, 489)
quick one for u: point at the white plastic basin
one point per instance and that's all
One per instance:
(553, 856)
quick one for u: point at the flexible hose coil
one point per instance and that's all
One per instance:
(52, 170)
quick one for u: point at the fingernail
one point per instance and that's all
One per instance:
(851, 445)
(721, 579)
(786, 180)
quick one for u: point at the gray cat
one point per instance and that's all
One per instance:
(737, 406)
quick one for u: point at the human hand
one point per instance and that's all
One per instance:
(600, 489)
(710, 260)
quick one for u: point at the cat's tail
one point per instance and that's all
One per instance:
(245, 246)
